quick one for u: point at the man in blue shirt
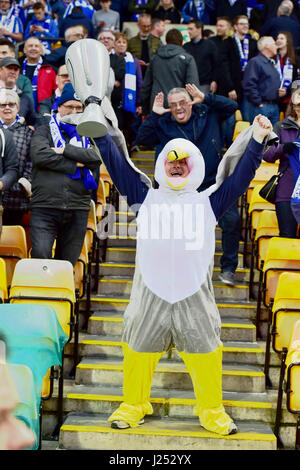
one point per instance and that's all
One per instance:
(261, 83)
(41, 26)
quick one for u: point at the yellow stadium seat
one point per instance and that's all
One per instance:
(108, 184)
(239, 127)
(263, 173)
(80, 270)
(91, 229)
(238, 115)
(13, 247)
(3, 281)
(283, 255)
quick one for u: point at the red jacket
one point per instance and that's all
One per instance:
(46, 84)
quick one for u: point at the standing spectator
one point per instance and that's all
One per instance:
(144, 46)
(11, 27)
(86, 7)
(171, 67)
(118, 65)
(131, 103)
(288, 66)
(16, 198)
(7, 49)
(50, 105)
(230, 8)
(261, 83)
(167, 12)
(205, 55)
(76, 17)
(198, 10)
(72, 34)
(63, 175)
(138, 7)
(270, 7)
(288, 131)
(9, 73)
(41, 74)
(41, 26)
(157, 29)
(106, 18)
(283, 22)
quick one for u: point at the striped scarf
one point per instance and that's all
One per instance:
(129, 84)
(34, 79)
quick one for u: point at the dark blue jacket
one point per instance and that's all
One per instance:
(282, 23)
(76, 18)
(203, 129)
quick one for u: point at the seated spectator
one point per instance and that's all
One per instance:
(50, 105)
(11, 27)
(76, 17)
(64, 172)
(117, 64)
(167, 12)
(132, 83)
(16, 199)
(41, 26)
(193, 9)
(144, 46)
(85, 5)
(170, 68)
(72, 34)
(261, 83)
(288, 131)
(288, 66)
(27, 6)
(106, 18)
(137, 7)
(9, 73)
(283, 22)
(7, 49)
(18, 11)
(35, 67)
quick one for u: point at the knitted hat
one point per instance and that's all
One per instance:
(68, 94)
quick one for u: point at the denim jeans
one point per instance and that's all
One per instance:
(249, 111)
(286, 219)
(230, 225)
(67, 227)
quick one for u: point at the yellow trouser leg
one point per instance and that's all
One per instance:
(138, 369)
(206, 374)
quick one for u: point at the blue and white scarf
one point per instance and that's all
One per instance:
(129, 84)
(286, 73)
(12, 24)
(243, 50)
(232, 2)
(87, 8)
(6, 126)
(46, 25)
(34, 81)
(75, 139)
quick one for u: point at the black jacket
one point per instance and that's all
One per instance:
(206, 58)
(8, 162)
(51, 187)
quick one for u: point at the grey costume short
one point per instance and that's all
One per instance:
(192, 325)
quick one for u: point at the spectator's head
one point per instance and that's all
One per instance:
(9, 71)
(195, 30)
(62, 77)
(105, 4)
(107, 38)
(157, 27)
(180, 104)
(223, 26)
(174, 36)
(267, 46)
(39, 11)
(285, 45)
(69, 103)
(74, 33)
(144, 24)
(166, 4)
(295, 104)
(14, 434)
(9, 106)
(121, 43)
(285, 8)
(7, 49)
(208, 33)
(4, 6)
(241, 25)
(33, 49)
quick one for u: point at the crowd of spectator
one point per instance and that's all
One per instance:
(183, 70)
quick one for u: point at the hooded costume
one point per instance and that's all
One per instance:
(172, 300)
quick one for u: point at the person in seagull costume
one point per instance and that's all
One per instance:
(172, 300)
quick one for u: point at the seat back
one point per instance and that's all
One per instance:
(257, 205)
(267, 227)
(283, 254)
(3, 281)
(293, 371)
(263, 173)
(286, 309)
(91, 227)
(239, 127)
(80, 269)
(13, 247)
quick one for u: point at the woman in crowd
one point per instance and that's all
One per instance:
(132, 109)
(16, 199)
(167, 12)
(288, 131)
(288, 66)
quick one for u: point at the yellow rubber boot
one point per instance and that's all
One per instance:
(206, 375)
(138, 369)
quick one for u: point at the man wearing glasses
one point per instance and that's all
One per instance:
(49, 105)
(64, 172)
